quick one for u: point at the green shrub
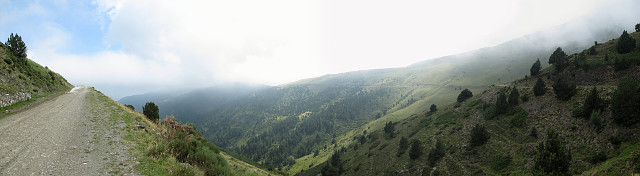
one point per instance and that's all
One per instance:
(416, 149)
(433, 108)
(518, 119)
(564, 90)
(514, 96)
(593, 102)
(500, 162)
(625, 43)
(157, 151)
(553, 157)
(464, 95)
(577, 112)
(539, 89)
(8, 61)
(598, 157)
(403, 146)
(597, 120)
(150, 110)
(436, 153)
(525, 97)
(625, 102)
(479, 136)
(183, 170)
(130, 107)
(210, 162)
(534, 132)
(621, 63)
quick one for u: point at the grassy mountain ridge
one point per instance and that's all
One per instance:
(283, 127)
(512, 145)
(24, 75)
(23, 80)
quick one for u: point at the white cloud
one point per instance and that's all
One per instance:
(166, 42)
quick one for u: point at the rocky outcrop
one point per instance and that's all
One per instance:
(9, 99)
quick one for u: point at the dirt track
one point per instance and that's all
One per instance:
(63, 136)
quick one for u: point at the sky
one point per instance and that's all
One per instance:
(126, 47)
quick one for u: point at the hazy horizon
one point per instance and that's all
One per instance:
(131, 47)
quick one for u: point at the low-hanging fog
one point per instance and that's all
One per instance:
(129, 47)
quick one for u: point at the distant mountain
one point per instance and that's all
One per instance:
(187, 106)
(285, 126)
(511, 143)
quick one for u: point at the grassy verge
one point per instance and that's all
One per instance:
(151, 149)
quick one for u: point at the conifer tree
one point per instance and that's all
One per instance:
(535, 68)
(592, 102)
(539, 89)
(625, 102)
(416, 149)
(625, 43)
(564, 90)
(553, 158)
(559, 59)
(433, 108)
(514, 96)
(16, 46)
(501, 103)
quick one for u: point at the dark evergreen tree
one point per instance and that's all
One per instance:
(416, 149)
(389, 128)
(436, 153)
(151, 111)
(433, 108)
(479, 136)
(553, 157)
(334, 166)
(592, 50)
(514, 97)
(535, 68)
(638, 27)
(559, 59)
(592, 102)
(539, 89)
(625, 102)
(403, 146)
(464, 95)
(16, 46)
(564, 90)
(625, 43)
(501, 103)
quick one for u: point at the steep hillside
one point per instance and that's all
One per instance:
(22, 79)
(284, 126)
(510, 142)
(168, 147)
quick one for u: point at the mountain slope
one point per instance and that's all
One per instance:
(512, 143)
(22, 79)
(282, 127)
(188, 105)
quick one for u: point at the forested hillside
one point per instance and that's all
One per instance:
(296, 126)
(578, 116)
(291, 123)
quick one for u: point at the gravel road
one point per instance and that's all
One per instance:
(66, 135)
